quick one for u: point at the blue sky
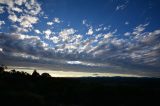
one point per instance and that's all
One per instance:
(117, 36)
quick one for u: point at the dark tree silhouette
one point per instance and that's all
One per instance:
(13, 71)
(35, 73)
(2, 68)
(46, 75)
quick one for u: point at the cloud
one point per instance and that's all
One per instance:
(2, 10)
(16, 9)
(120, 7)
(37, 31)
(33, 7)
(136, 47)
(118, 42)
(90, 31)
(127, 33)
(54, 39)
(150, 37)
(45, 17)
(13, 17)
(87, 63)
(20, 2)
(25, 56)
(140, 28)
(56, 20)
(24, 44)
(98, 29)
(27, 21)
(65, 34)
(50, 23)
(17, 29)
(47, 33)
(140, 49)
(22, 13)
(123, 5)
(1, 50)
(1, 23)
(69, 46)
(9, 3)
(108, 35)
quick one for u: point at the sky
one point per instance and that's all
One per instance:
(104, 36)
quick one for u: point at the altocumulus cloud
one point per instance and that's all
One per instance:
(98, 47)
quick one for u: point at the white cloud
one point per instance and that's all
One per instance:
(66, 32)
(16, 9)
(1, 49)
(139, 29)
(54, 39)
(33, 7)
(127, 33)
(45, 17)
(106, 27)
(1, 10)
(27, 21)
(118, 42)
(47, 32)
(50, 23)
(1, 23)
(56, 20)
(20, 2)
(85, 63)
(29, 12)
(13, 17)
(149, 37)
(90, 31)
(37, 31)
(108, 35)
(26, 56)
(74, 62)
(10, 3)
(23, 37)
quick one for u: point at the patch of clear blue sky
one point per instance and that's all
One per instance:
(103, 12)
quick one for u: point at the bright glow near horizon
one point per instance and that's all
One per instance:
(56, 73)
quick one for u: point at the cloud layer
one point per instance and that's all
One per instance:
(99, 46)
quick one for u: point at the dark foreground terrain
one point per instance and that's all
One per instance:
(22, 89)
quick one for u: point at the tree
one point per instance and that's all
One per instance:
(46, 75)
(1, 68)
(35, 73)
(13, 71)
